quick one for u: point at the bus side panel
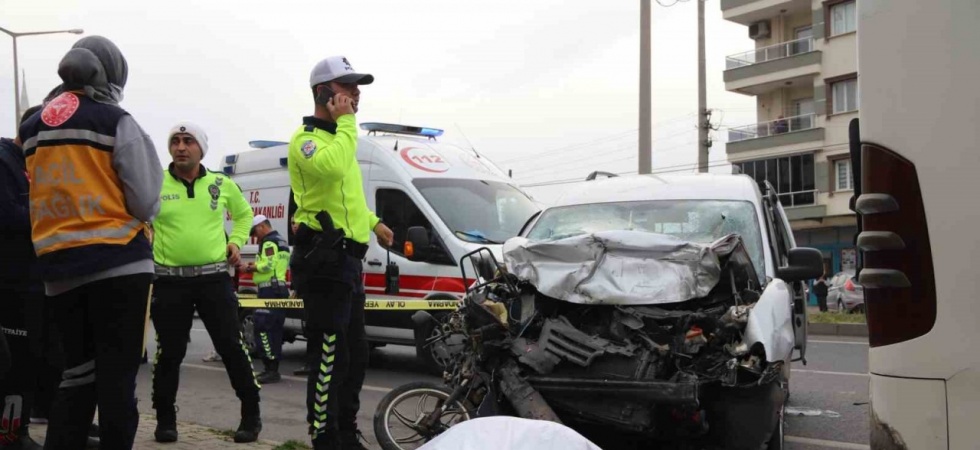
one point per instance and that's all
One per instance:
(908, 414)
(918, 66)
(964, 408)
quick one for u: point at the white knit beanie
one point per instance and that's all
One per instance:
(193, 130)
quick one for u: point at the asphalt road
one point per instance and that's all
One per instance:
(829, 394)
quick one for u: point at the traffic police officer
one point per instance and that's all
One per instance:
(193, 259)
(269, 274)
(333, 229)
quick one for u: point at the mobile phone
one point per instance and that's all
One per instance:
(324, 94)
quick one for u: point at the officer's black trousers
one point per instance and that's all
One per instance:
(102, 326)
(269, 324)
(337, 348)
(20, 318)
(172, 311)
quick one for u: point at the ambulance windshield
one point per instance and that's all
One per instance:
(480, 211)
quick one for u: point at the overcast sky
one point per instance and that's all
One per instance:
(548, 88)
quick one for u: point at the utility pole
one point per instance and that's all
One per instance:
(704, 120)
(646, 139)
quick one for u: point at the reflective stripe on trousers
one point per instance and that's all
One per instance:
(323, 383)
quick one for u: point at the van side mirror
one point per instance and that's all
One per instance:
(804, 264)
(417, 244)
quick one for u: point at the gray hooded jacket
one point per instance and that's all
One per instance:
(96, 66)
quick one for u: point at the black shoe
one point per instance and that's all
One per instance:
(268, 377)
(24, 443)
(251, 424)
(327, 441)
(166, 424)
(305, 370)
(351, 440)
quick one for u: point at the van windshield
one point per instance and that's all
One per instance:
(486, 212)
(700, 221)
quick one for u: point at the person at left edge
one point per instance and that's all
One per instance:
(269, 274)
(21, 299)
(95, 182)
(192, 265)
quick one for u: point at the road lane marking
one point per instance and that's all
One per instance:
(824, 443)
(796, 439)
(836, 342)
(824, 372)
(285, 377)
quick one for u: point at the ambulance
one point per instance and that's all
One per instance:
(440, 200)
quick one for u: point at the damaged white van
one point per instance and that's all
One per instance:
(692, 283)
(641, 311)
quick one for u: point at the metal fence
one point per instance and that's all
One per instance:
(772, 52)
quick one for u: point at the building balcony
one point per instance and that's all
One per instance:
(776, 133)
(747, 12)
(765, 69)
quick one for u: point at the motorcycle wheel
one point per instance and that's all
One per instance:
(399, 412)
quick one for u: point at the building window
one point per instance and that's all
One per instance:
(843, 175)
(843, 18)
(791, 176)
(843, 96)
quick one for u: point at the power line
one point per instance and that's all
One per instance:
(684, 167)
(606, 153)
(606, 163)
(582, 145)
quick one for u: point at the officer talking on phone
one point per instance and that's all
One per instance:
(334, 227)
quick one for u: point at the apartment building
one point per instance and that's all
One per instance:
(803, 74)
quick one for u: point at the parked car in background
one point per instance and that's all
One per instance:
(846, 293)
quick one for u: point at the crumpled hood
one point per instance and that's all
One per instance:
(619, 267)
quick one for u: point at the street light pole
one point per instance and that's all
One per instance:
(16, 86)
(14, 36)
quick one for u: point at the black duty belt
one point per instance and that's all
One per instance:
(355, 249)
(272, 283)
(191, 271)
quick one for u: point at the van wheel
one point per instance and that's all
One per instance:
(247, 321)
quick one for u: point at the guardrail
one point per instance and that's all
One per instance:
(773, 127)
(770, 53)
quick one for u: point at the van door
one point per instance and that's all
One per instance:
(417, 279)
(800, 319)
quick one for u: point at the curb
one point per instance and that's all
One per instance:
(838, 329)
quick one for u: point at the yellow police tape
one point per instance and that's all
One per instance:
(251, 301)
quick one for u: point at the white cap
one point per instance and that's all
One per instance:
(258, 219)
(193, 130)
(337, 68)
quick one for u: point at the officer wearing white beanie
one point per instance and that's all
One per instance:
(193, 252)
(195, 131)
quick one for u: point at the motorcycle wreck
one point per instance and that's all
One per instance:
(630, 338)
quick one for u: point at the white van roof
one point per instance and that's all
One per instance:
(417, 156)
(663, 187)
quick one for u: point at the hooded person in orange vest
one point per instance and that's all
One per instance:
(96, 181)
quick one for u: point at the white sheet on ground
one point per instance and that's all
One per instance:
(512, 433)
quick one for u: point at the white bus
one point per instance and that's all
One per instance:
(918, 196)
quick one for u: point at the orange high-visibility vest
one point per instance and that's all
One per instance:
(79, 221)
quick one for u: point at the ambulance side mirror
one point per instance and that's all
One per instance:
(417, 244)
